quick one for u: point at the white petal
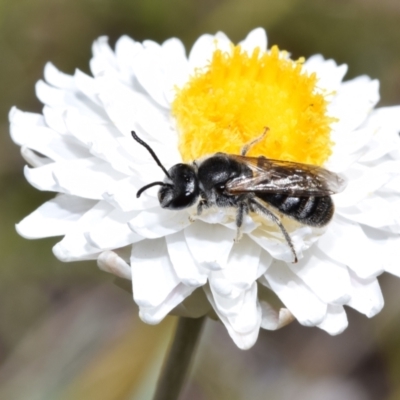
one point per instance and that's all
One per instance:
(101, 141)
(353, 141)
(87, 86)
(145, 167)
(42, 177)
(201, 52)
(194, 306)
(59, 98)
(266, 261)
(271, 239)
(75, 246)
(353, 102)
(131, 110)
(277, 248)
(376, 212)
(103, 57)
(153, 276)
(22, 123)
(348, 149)
(391, 190)
(222, 41)
(184, 264)
(256, 38)
(158, 222)
(54, 97)
(308, 309)
(126, 50)
(57, 78)
(210, 245)
(366, 296)
(111, 262)
(248, 317)
(122, 194)
(150, 44)
(223, 288)
(54, 118)
(328, 279)
(390, 250)
(55, 217)
(227, 298)
(346, 242)
(175, 67)
(329, 74)
(246, 337)
(241, 311)
(274, 319)
(386, 125)
(335, 321)
(94, 177)
(89, 131)
(33, 158)
(149, 73)
(362, 181)
(243, 263)
(153, 315)
(204, 47)
(55, 146)
(389, 116)
(113, 232)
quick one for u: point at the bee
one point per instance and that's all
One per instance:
(250, 184)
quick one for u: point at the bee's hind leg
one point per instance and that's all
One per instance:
(243, 209)
(257, 207)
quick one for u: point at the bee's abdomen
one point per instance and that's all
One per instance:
(313, 211)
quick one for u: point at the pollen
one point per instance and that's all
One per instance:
(232, 101)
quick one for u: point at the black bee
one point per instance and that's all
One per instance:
(250, 184)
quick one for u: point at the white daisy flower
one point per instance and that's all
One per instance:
(218, 99)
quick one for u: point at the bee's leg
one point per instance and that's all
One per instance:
(202, 204)
(243, 209)
(248, 146)
(257, 207)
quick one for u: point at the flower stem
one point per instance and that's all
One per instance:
(176, 365)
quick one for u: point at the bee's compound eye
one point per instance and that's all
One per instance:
(184, 189)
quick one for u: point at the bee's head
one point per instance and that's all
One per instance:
(180, 188)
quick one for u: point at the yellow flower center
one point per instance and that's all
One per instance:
(230, 103)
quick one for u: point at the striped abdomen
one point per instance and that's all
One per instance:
(313, 211)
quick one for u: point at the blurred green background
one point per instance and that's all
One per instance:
(66, 331)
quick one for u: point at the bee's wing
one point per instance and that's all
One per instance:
(285, 177)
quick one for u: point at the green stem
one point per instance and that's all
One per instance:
(175, 368)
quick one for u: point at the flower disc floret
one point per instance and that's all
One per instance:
(232, 100)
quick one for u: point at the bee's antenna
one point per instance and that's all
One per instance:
(141, 190)
(150, 150)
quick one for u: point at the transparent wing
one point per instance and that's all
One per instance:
(285, 177)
